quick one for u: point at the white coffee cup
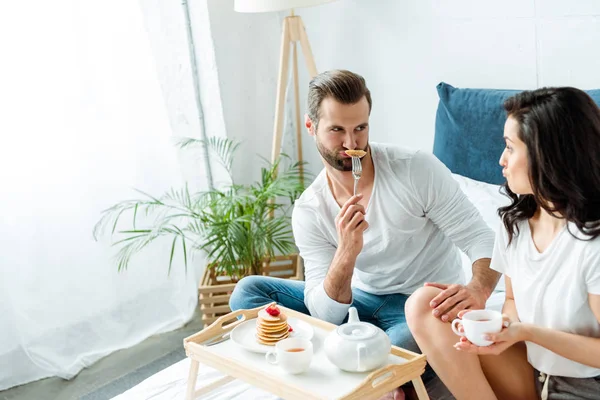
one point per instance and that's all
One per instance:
(476, 324)
(293, 355)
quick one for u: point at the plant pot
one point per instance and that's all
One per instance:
(215, 290)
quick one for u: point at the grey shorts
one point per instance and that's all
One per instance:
(562, 388)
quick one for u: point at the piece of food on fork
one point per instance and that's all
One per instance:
(356, 153)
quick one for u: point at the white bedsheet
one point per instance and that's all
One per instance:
(171, 384)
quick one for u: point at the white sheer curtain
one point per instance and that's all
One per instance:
(82, 122)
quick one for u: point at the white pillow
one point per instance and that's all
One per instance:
(487, 199)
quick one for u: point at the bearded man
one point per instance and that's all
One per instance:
(372, 250)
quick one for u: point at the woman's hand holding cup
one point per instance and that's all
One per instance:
(485, 331)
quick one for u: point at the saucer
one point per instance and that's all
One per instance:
(244, 335)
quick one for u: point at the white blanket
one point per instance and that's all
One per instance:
(171, 384)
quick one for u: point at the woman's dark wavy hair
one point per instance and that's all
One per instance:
(561, 128)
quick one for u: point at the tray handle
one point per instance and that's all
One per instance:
(233, 316)
(382, 376)
(393, 372)
(223, 324)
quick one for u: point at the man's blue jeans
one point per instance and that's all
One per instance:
(384, 311)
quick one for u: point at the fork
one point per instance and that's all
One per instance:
(356, 171)
(218, 339)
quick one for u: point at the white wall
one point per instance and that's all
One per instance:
(403, 49)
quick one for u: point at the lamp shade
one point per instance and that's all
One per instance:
(256, 6)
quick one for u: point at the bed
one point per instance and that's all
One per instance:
(464, 117)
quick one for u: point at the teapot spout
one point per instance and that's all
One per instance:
(353, 315)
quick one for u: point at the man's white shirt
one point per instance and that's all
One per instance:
(417, 217)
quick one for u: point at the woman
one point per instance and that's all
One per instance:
(548, 247)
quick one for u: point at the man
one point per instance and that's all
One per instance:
(374, 249)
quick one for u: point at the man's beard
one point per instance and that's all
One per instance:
(334, 159)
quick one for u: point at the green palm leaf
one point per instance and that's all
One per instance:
(234, 226)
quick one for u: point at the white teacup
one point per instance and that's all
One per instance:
(476, 324)
(293, 355)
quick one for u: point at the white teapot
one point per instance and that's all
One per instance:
(357, 346)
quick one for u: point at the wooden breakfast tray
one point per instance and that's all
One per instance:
(322, 381)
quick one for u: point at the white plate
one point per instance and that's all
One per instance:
(244, 335)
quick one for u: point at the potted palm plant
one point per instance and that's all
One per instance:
(243, 229)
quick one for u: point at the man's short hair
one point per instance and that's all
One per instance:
(343, 86)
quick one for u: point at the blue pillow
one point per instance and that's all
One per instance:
(468, 130)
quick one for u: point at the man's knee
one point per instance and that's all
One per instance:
(417, 307)
(245, 290)
(401, 336)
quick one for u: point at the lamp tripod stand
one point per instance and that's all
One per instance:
(293, 32)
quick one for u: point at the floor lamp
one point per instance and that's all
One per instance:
(292, 33)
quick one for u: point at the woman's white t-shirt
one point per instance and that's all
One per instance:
(551, 289)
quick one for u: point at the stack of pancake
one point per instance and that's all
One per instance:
(271, 326)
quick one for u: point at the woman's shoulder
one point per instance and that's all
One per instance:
(589, 245)
(520, 229)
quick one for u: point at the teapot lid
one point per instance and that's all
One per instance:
(357, 331)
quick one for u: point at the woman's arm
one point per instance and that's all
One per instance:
(582, 349)
(509, 308)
